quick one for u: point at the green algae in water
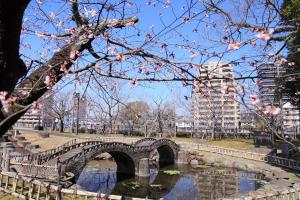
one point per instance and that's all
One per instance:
(156, 185)
(171, 172)
(221, 171)
(200, 166)
(132, 185)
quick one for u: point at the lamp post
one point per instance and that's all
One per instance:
(77, 97)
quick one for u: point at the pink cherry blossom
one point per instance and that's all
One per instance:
(3, 95)
(44, 55)
(272, 110)
(121, 57)
(133, 83)
(114, 84)
(265, 35)
(258, 82)
(275, 110)
(267, 110)
(40, 35)
(53, 15)
(73, 55)
(35, 107)
(63, 68)
(225, 89)
(235, 45)
(24, 92)
(97, 69)
(6, 102)
(194, 54)
(48, 82)
(26, 46)
(254, 98)
(93, 12)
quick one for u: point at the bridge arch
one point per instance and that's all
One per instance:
(123, 155)
(125, 164)
(167, 150)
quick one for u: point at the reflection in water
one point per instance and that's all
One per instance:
(202, 182)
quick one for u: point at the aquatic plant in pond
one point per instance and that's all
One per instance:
(171, 172)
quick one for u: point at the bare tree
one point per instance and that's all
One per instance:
(134, 114)
(107, 101)
(164, 115)
(61, 109)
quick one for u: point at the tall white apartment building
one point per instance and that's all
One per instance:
(215, 108)
(289, 116)
(268, 73)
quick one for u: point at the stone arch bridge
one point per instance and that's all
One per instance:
(131, 159)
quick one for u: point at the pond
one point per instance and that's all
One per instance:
(172, 182)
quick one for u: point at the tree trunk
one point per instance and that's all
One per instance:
(61, 126)
(11, 66)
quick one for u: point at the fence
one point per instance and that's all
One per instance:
(26, 188)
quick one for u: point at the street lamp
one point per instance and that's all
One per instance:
(77, 97)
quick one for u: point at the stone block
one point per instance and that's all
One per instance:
(182, 157)
(43, 134)
(194, 162)
(143, 167)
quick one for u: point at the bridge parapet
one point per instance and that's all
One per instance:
(45, 164)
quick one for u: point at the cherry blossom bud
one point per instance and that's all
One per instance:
(194, 54)
(121, 57)
(53, 15)
(97, 69)
(234, 46)
(44, 55)
(93, 13)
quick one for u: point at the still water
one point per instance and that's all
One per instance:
(173, 182)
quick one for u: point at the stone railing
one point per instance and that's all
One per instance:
(34, 156)
(279, 161)
(287, 194)
(44, 156)
(144, 140)
(27, 188)
(36, 171)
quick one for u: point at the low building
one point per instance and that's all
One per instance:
(184, 123)
(248, 120)
(29, 120)
(290, 119)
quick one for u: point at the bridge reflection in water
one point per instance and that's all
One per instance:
(191, 183)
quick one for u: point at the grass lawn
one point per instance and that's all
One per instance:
(45, 143)
(236, 144)
(5, 196)
(56, 140)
